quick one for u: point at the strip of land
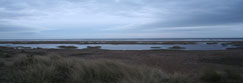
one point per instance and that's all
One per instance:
(115, 65)
(114, 42)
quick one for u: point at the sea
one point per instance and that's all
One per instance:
(200, 45)
(132, 39)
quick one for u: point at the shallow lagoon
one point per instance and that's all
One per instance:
(197, 46)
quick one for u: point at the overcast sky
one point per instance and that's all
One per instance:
(45, 19)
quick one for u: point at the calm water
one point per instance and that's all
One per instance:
(198, 46)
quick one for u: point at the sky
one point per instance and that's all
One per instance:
(69, 19)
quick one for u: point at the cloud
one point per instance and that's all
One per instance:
(10, 28)
(199, 13)
(120, 16)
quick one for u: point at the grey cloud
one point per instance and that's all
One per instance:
(20, 8)
(201, 14)
(148, 14)
(14, 28)
(11, 15)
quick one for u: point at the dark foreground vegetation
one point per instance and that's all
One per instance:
(109, 66)
(56, 69)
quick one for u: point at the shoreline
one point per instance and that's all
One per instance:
(111, 42)
(128, 45)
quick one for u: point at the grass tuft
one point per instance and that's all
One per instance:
(211, 75)
(2, 63)
(226, 76)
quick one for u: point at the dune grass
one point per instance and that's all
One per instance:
(2, 63)
(226, 76)
(57, 69)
